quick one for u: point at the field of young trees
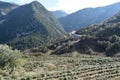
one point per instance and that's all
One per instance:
(74, 67)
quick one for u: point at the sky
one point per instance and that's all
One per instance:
(67, 5)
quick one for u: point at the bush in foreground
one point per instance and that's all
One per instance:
(9, 59)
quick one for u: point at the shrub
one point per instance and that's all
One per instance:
(113, 49)
(9, 59)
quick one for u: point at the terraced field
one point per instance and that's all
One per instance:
(68, 68)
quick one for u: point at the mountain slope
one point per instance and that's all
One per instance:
(29, 26)
(115, 18)
(59, 13)
(100, 39)
(105, 37)
(88, 16)
(94, 29)
(6, 7)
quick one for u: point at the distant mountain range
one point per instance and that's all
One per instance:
(104, 37)
(99, 39)
(29, 26)
(111, 23)
(88, 16)
(59, 13)
(6, 7)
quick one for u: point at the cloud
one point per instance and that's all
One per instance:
(19, 1)
(24, 1)
(74, 5)
(68, 5)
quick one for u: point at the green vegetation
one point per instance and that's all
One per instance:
(15, 65)
(9, 59)
(81, 67)
(36, 29)
(102, 38)
(47, 56)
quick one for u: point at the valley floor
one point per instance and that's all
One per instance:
(67, 68)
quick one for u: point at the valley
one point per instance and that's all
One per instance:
(39, 44)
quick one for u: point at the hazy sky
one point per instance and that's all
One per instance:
(68, 5)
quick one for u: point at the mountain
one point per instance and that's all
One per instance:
(6, 7)
(59, 13)
(96, 28)
(115, 18)
(104, 37)
(88, 16)
(29, 26)
(99, 39)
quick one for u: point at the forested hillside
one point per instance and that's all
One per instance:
(29, 26)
